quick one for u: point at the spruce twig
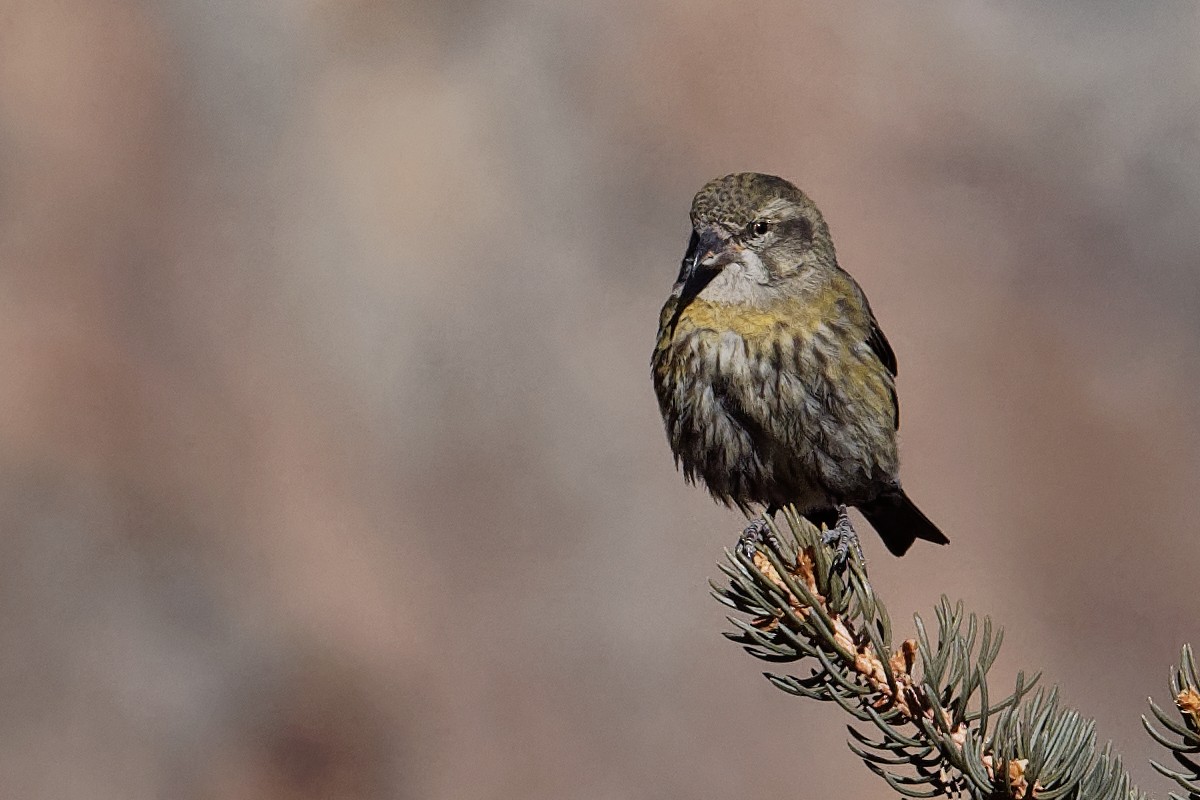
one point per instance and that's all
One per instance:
(937, 732)
(1185, 687)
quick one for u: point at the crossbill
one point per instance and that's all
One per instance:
(775, 382)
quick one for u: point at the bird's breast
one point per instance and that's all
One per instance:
(793, 319)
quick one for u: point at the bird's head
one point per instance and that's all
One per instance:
(752, 236)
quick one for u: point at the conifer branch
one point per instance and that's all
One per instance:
(1185, 687)
(935, 729)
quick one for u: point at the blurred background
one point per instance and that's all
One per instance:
(329, 461)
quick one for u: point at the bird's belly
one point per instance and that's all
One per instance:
(758, 431)
(738, 463)
(717, 405)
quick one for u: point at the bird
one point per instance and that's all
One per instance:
(776, 384)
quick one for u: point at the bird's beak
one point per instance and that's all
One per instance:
(705, 257)
(712, 252)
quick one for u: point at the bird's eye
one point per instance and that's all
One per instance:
(760, 227)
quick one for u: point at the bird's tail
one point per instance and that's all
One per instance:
(899, 522)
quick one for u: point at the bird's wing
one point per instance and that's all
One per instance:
(875, 339)
(881, 347)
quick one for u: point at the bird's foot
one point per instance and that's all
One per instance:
(758, 532)
(841, 537)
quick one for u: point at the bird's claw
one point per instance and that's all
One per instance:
(841, 537)
(758, 532)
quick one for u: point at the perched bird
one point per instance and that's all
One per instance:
(774, 380)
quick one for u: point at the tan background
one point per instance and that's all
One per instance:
(329, 463)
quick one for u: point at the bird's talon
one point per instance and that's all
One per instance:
(758, 532)
(747, 547)
(841, 537)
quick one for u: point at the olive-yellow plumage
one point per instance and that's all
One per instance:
(775, 382)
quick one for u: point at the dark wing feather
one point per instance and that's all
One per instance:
(883, 351)
(878, 343)
(882, 348)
